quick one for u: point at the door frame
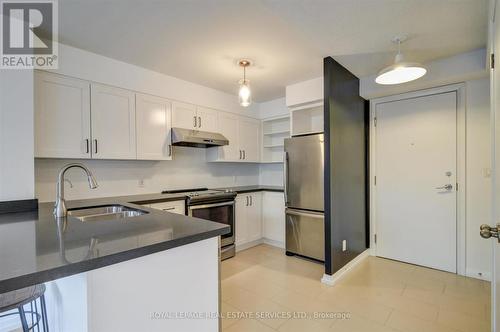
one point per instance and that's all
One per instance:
(459, 88)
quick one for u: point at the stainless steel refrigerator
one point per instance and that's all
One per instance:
(304, 192)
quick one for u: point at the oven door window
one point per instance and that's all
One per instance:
(223, 214)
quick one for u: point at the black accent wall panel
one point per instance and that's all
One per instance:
(345, 166)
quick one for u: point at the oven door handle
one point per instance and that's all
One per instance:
(204, 206)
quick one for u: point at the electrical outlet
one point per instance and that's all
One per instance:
(486, 173)
(344, 245)
(141, 183)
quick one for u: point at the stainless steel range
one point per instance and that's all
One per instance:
(213, 205)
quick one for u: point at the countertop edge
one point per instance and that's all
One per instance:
(242, 191)
(98, 262)
(249, 189)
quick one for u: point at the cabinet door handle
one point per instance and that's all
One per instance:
(169, 150)
(247, 200)
(251, 200)
(244, 154)
(95, 142)
(240, 154)
(199, 122)
(87, 144)
(194, 121)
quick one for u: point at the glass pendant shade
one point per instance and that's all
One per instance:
(245, 94)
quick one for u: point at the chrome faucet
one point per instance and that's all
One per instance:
(60, 210)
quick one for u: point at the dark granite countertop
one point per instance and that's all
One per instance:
(248, 189)
(35, 248)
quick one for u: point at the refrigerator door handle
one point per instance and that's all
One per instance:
(285, 178)
(309, 214)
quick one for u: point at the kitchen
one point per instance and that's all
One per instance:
(156, 144)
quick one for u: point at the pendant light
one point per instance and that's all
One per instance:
(401, 71)
(244, 94)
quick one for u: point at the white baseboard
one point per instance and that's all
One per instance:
(274, 243)
(330, 280)
(478, 274)
(250, 244)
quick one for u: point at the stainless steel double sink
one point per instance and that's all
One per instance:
(105, 213)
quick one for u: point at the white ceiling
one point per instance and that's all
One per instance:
(200, 40)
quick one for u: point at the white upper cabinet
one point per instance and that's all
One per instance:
(249, 138)
(207, 119)
(184, 115)
(228, 126)
(113, 123)
(153, 124)
(190, 116)
(62, 117)
(244, 139)
(80, 119)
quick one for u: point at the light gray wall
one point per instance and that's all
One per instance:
(478, 159)
(16, 135)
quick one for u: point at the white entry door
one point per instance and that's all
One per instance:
(416, 172)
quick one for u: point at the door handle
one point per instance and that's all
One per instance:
(95, 141)
(199, 122)
(285, 177)
(87, 143)
(317, 215)
(446, 187)
(194, 121)
(486, 231)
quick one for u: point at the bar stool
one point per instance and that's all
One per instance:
(18, 299)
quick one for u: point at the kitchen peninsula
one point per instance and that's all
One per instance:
(119, 274)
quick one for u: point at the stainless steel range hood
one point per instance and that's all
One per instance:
(196, 138)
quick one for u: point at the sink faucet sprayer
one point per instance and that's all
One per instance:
(60, 210)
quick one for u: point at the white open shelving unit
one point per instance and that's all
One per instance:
(274, 132)
(307, 119)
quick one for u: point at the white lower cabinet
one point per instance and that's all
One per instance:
(273, 218)
(248, 218)
(241, 220)
(178, 207)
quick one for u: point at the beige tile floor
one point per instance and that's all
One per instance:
(378, 295)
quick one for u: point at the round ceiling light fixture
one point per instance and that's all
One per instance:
(244, 93)
(401, 71)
